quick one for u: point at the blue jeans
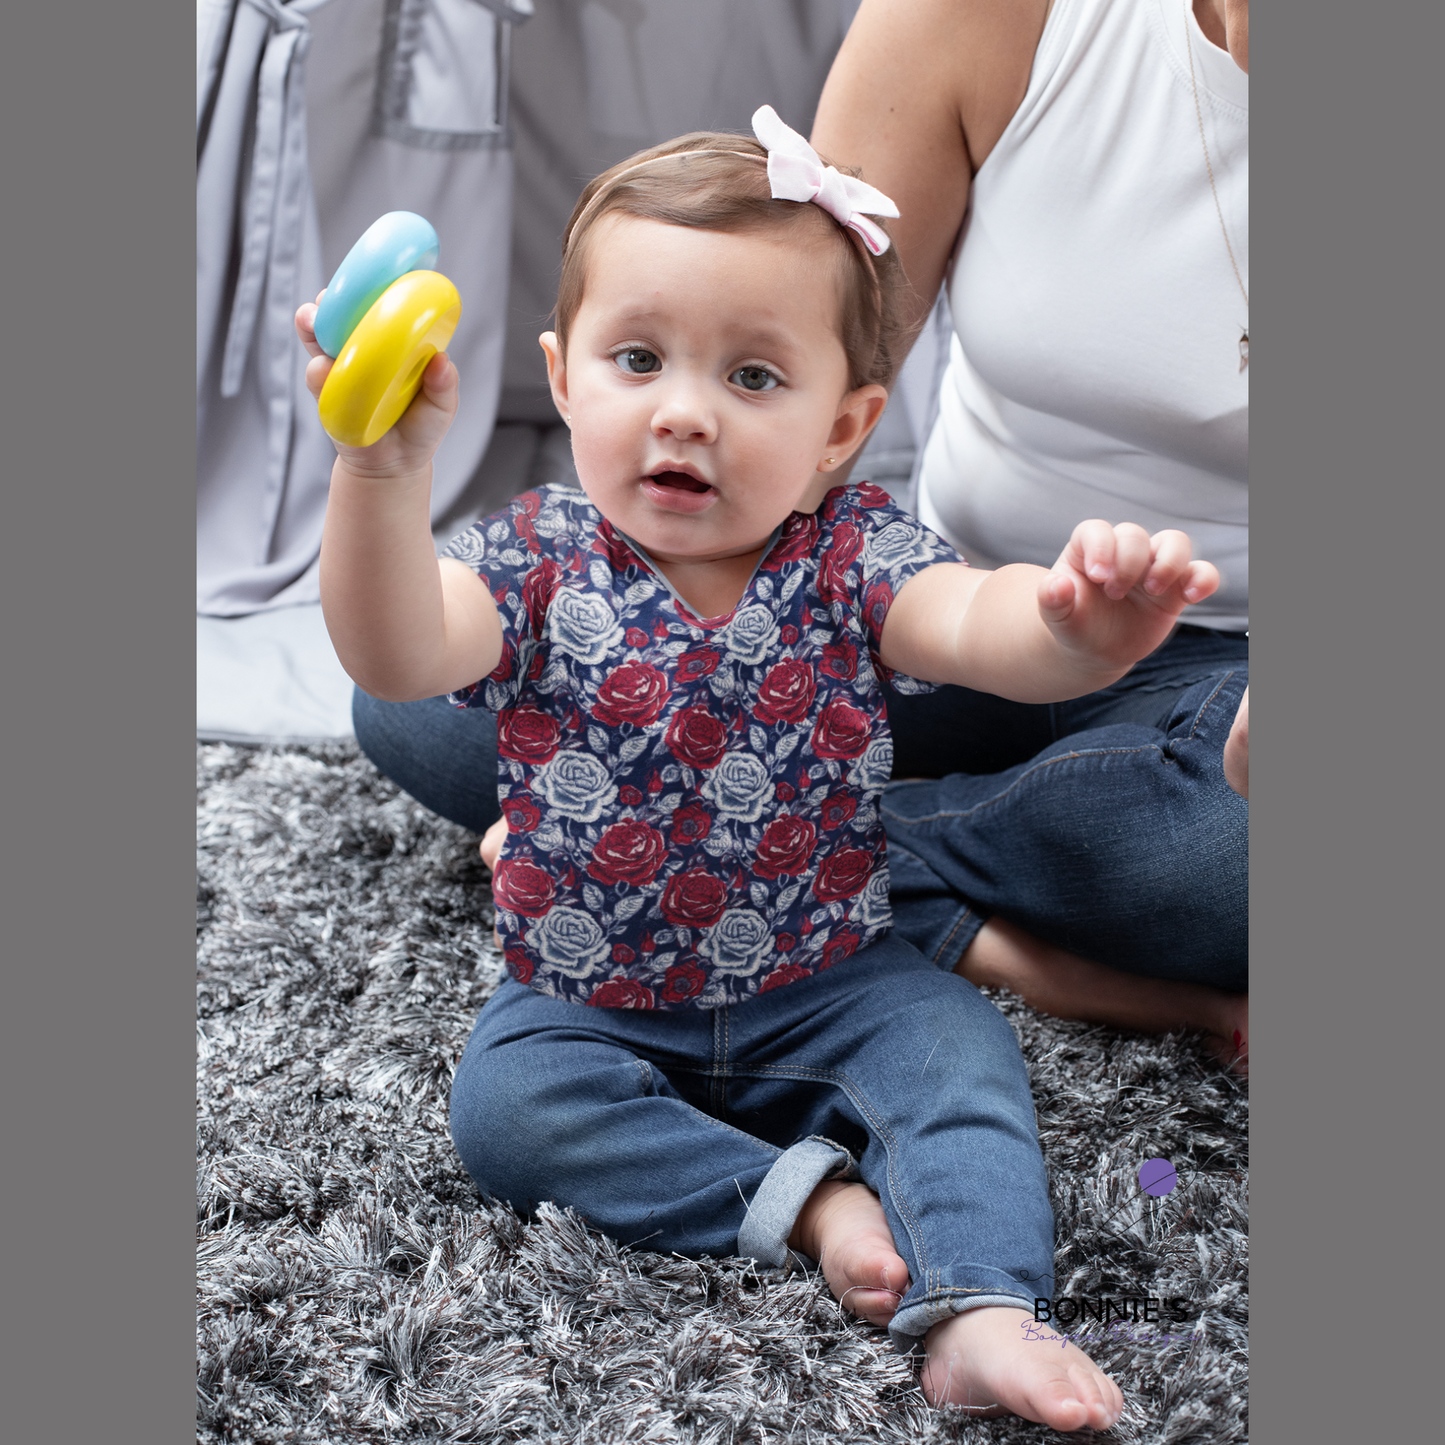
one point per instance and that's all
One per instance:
(1103, 825)
(704, 1131)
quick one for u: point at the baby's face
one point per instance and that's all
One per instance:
(706, 384)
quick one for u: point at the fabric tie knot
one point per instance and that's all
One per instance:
(796, 173)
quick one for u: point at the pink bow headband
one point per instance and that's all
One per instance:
(795, 173)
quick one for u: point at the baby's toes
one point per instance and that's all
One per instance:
(1099, 1395)
(877, 1306)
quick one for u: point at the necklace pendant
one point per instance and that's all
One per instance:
(1244, 349)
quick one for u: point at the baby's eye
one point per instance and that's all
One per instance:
(754, 378)
(637, 361)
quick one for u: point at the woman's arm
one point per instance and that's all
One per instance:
(919, 94)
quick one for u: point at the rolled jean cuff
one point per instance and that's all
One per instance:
(916, 1317)
(784, 1191)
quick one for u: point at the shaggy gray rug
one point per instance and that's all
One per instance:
(353, 1287)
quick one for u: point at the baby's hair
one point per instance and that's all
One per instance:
(715, 181)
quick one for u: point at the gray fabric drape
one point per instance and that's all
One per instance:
(314, 117)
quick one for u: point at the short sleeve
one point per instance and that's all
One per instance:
(514, 552)
(896, 545)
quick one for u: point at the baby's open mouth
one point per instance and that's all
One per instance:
(681, 481)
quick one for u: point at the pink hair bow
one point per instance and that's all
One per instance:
(797, 173)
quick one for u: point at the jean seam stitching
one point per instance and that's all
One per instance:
(890, 1142)
(1019, 781)
(1203, 707)
(952, 932)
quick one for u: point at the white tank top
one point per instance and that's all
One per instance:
(1095, 359)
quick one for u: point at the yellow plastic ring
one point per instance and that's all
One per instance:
(379, 369)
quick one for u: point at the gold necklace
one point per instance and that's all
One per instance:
(1218, 209)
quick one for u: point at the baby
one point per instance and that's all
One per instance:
(710, 1042)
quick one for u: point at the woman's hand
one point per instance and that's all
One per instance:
(410, 445)
(1116, 592)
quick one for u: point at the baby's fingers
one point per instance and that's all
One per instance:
(1172, 551)
(1091, 551)
(317, 370)
(306, 325)
(1200, 581)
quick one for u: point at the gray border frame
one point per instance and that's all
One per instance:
(98, 550)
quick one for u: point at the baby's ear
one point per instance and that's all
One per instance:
(858, 414)
(556, 373)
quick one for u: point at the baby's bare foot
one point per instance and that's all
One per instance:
(995, 1361)
(844, 1228)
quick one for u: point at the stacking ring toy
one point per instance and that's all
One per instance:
(399, 242)
(388, 320)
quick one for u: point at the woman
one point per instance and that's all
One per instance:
(1077, 171)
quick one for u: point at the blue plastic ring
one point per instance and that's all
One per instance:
(399, 242)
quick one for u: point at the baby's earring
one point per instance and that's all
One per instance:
(828, 461)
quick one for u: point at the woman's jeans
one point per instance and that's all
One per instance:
(704, 1131)
(1102, 825)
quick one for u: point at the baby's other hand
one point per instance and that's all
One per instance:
(1116, 592)
(412, 442)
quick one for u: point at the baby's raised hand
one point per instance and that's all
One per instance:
(1115, 592)
(413, 441)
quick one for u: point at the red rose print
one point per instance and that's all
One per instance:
(786, 693)
(785, 793)
(538, 589)
(611, 546)
(837, 810)
(654, 783)
(844, 945)
(876, 602)
(796, 540)
(659, 630)
(633, 693)
(522, 887)
(691, 824)
(788, 634)
(788, 973)
(628, 852)
(697, 738)
(636, 637)
(622, 954)
(694, 899)
(622, 993)
(539, 663)
(698, 662)
(843, 873)
(785, 847)
(528, 506)
(503, 670)
(840, 660)
(522, 814)
(682, 981)
(527, 735)
(786, 943)
(869, 494)
(841, 731)
(833, 574)
(519, 965)
(629, 796)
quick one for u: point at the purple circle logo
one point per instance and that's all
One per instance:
(1157, 1177)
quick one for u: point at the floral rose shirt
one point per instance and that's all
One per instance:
(692, 804)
